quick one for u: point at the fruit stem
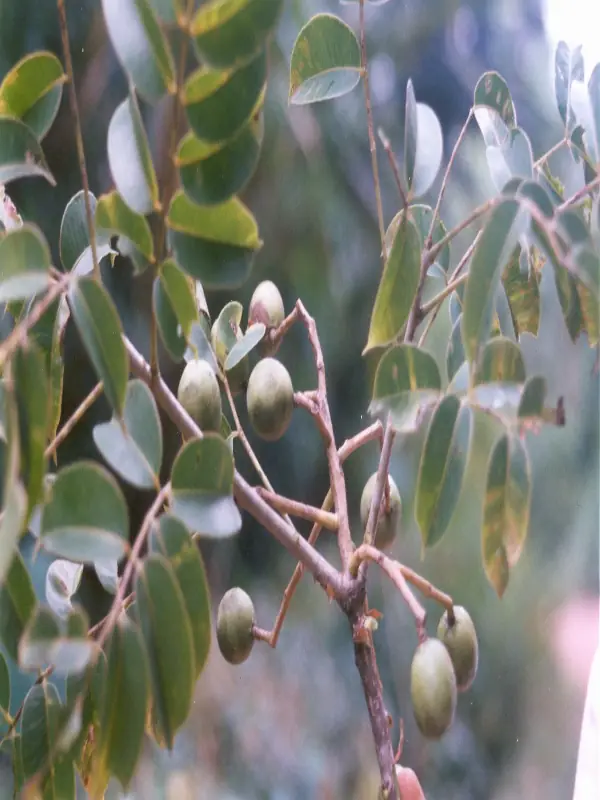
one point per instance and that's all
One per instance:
(285, 505)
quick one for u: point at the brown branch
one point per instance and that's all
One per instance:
(247, 498)
(287, 506)
(64, 34)
(427, 588)
(134, 556)
(450, 287)
(579, 195)
(75, 417)
(370, 127)
(393, 164)
(19, 333)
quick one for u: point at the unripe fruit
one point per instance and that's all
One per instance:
(270, 399)
(235, 619)
(433, 688)
(389, 521)
(199, 394)
(266, 306)
(461, 642)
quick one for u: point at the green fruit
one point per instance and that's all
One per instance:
(461, 642)
(266, 306)
(235, 619)
(199, 394)
(389, 521)
(433, 688)
(270, 399)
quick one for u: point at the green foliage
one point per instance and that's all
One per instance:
(133, 674)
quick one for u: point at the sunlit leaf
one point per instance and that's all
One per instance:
(214, 244)
(36, 78)
(229, 32)
(86, 517)
(213, 173)
(251, 339)
(325, 61)
(25, 258)
(130, 159)
(442, 469)
(114, 216)
(141, 46)
(523, 293)
(175, 308)
(489, 260)
(62, 581)
(21, 154)
(17, 604)
(161, 610)
(74, 243)
(429, 150)
(199, 345)
(122, 713)
(513, 158)
(406, 383)
(99, 327)
(494, 108)
(411, 133)
(219, 103)
(568, 67)
(202, 486)
(594, 96)
(171, 539)
(505, 510)
(398, 286)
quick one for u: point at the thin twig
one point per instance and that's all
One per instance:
(451, 160)
(441, 296)
(370, 127)
(393, 164)
(579, 195)
(134, 555)
(64, 33)
(380, 483)
(367, 552)
(435, 249)
(75, 417)
(542, 159)
(287, 506)
(19, 333)
(427, 588)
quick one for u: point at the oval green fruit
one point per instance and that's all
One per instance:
(266, 306)
(433, 688)
(199, 394)
(270, 399)
(389, 520)
(461, 642)
(235, 619)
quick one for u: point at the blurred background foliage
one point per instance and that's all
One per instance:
(291, 724)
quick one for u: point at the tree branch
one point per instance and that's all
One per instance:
(66, 429)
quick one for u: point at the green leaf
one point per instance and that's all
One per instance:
(214, 244)
(161, 610)
(130, 159)
(594, 96)
(141, 46)
(17, 605)
(590, 311)
(25, 258)
(407, 382)
(505, 510)
(199, 345)
(21, 154)
(64, 644)
(421, 215)
(523, 293)
(99, 327)
(504, 315)
(501, 362)
(568, 67)
(123, 708)
(86, 517)
(219, 103)
(175, 308)
(4, 694)
(36, 77)
(494, 109)
(411, 133)
(213, 173)
(397, 288)
(531, 404)
(75, 243)
(202, 486)
(170, 11)
(325, 61)
(442, 469)
(226, 331)
(455, 353)
(489, 260)
(171, 539)
(62, 582)
(133, 446)
(32, 398)
(251, 339)
(568, 296)
(14, 511)
(429, 151)
(229, 32)
(115, 217)
(513, 158)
